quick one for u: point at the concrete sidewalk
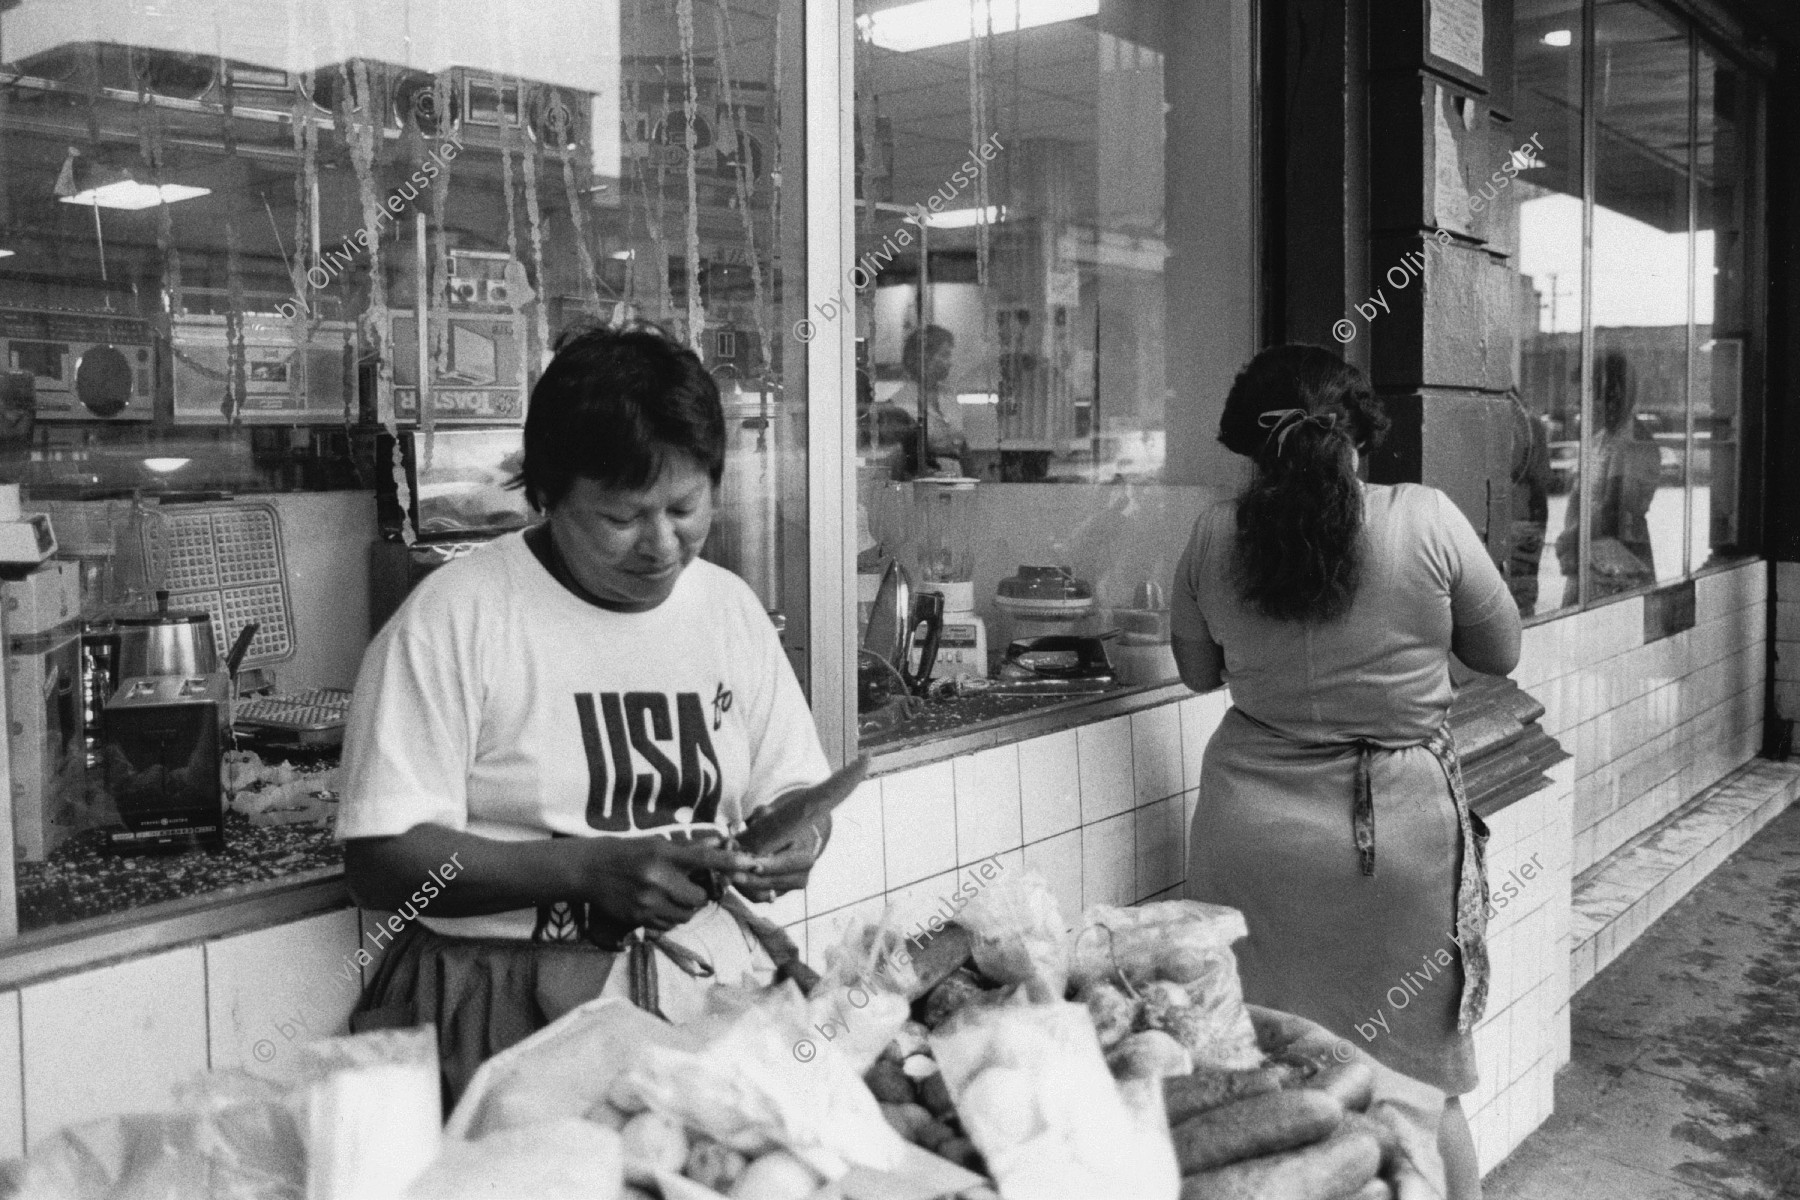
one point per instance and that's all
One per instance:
(1686, 1074)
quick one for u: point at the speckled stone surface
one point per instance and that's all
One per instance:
(1686, 1074)
(83, 880)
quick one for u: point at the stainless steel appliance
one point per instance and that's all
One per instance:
(160, 756)
(892, 648)
(165, 642)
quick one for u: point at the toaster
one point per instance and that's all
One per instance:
(160, 758)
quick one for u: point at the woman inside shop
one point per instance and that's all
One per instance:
(559, 728)
(1330, 809)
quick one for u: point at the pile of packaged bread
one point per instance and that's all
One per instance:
(1006, 1053)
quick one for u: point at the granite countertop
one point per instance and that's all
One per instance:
(83, 879)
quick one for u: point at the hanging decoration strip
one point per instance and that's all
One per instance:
(739, 147)
(981, 42)
(590, 275)
(534, 219)
(869, 125)
(696, 312)
(361, 138)
(777, 105)
(435, 276)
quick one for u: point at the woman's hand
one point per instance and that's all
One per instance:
(788, 865)
(649, 882)
(788, 868)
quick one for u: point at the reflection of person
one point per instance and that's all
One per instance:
(925, 358)
(1530, 505)
(1333, 607)
(575, 714)
(1629, 468)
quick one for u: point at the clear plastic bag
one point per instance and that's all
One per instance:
(1020, 935)
(1036, 1097)
(1180, 942)
(862, 998)
(769, 1080)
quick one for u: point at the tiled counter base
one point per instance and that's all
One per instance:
(1525, 1036)
(1621, 895)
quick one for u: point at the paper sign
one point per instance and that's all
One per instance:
(1456, 32)
(1449, 195)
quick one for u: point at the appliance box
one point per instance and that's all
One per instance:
(479, 377)
(49, 761)
(86, 366)
(164, 735)
(282, 385)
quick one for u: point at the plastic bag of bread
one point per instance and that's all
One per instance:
(1031, 1088)
(863, 995)
(1020, 935)
(1174, 960)
(769, 1080)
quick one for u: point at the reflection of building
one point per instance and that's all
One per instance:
(733, 154)
(1550, 374)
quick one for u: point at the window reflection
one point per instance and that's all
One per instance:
(1542, 211)
(1048, 311)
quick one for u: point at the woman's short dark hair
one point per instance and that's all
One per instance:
(1298, 413)
(613, 404)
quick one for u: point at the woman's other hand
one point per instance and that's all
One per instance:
(789, 864)
(787, 868)
(649, 882)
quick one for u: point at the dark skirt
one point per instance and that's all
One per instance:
(482, 994)
(1370, 957)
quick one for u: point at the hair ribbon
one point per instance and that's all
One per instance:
(1282, 421)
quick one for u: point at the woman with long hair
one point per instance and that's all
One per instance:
(1331, 810)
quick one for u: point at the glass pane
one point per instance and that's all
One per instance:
(1724, 154)
(222, 229)
(1636, 451)
(1542, 207)
(1022, 327)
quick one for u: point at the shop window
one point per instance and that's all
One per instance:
(253, 250)
(1052, 291)
(1538, 213)
(1635, 355)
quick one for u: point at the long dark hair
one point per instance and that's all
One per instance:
(1299, 413)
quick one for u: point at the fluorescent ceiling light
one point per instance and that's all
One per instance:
(1559, 38)
(163, 466)
(6, 253)
(928, 23)
(978, 397)
(131, 195)
(963, 218)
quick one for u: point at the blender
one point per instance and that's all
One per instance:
(946, 516)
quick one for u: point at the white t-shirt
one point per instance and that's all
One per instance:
(497, 702)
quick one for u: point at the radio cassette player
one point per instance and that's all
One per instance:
(86, 366)
(282, 384)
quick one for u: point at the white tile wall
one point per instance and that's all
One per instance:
(1050, 785)
(1156, 752)
(919, 822)
(1107, 786)
(855, 868)
(1109, 861)
(269, 990)
(987, 804)
(113, 1040)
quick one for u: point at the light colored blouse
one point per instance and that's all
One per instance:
(1382, 671)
